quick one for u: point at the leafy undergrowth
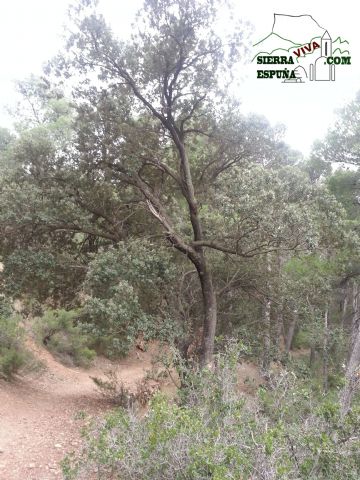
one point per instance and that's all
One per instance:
(13, 354)
(60, 332)
(114, 390)
(212, 432)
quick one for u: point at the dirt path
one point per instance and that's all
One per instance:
(38, 414)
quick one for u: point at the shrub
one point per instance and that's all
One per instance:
(302, 339)
(114, 322)
(114, 390)
(41, 275)
(11, 361)
(124, 289)
(213, 433)
(60, 332)
(13, 355)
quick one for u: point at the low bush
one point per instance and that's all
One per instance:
(114, 322)
(215, 433)
(60, 332)
(113, 389)
(302, 339)
(13, 355)
(124, 289)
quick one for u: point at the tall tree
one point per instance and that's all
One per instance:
(157, 115)
(150, 145)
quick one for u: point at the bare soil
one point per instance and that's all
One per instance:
(40, 413)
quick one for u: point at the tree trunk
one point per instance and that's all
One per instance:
(279, 333)
(194, 252)
(343, 307)
(352, 376)
(267, 337)
(355, 317)
(279, 322)
(267, 324)
(210, 313)
(312, 356)
(325, 351)
(290, 333)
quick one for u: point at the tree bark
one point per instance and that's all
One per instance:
(194, 252)
(204, 272)
(312, 356)
(343, 307)
(210, 313)
(279, 322)
(267, 325)
(352, 376)
(325, 351)
(279, 332)
(290, 333)
(267, 337)
(355, 317)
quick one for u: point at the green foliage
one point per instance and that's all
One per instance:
(42, 274)
(214, 433)
(143, 264)
(316, 167)
(345, 185)
(301, 339)
(125, 288)
(13, 355)
(151, 147)
(320, 443)
(60, 332)
(308, 285)
(283, 213)
(115, 322)
(114, 390)
(5, 307)
(29, 272)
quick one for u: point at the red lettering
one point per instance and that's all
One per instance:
(306, 48)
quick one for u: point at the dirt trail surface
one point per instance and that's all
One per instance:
(40, 416)
(38, 413)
